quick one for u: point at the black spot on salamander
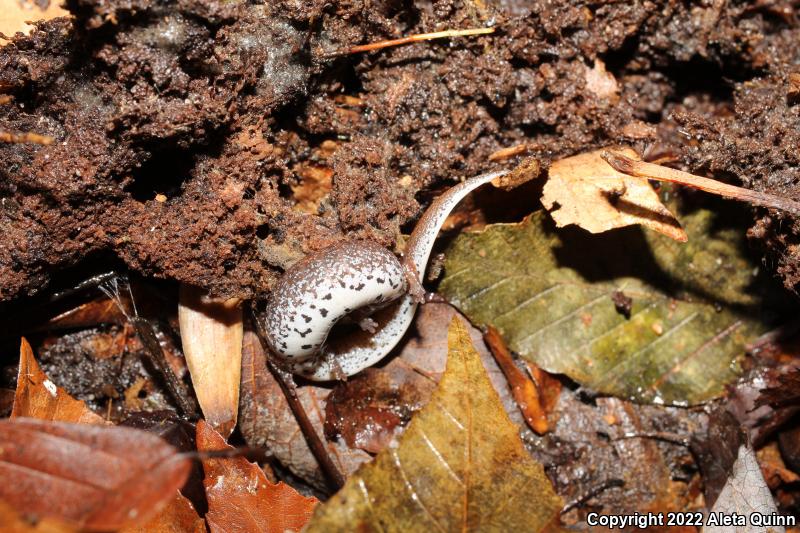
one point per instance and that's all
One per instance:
(305, 346)
(328, 296)
(342, 284)
(323, 312)
(360, 286)
(369, 277)
(381, 281)
(306, 318)
(347, 309)
(303, 333)
(313, 306)
(379, 298)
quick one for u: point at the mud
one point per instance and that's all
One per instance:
(182, 130)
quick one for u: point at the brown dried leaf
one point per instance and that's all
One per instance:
(360, 409)
(586, 191)
(12, 522)
(266, 420)
(95, 477)
(525, 392)
(460, 465)
(211, 333)
(178, 516)
(782, 387)
(14, 15)
(99, 311)
(38, 397)
(241, 498)
(773, 468)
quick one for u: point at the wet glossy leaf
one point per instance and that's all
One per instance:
(551, 294)
(459, 466)
(242, 499)
(38, 397)
(95, 477)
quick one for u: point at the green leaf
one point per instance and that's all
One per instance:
(459, 466)
(549, 293)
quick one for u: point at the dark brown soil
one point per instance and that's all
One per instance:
(183, 129)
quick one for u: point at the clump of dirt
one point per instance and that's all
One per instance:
(182, 128)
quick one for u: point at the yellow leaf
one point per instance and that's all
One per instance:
(459, 466)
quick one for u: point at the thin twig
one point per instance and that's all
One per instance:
(252, 454)
(289, 388)
(673, 438)
(640, 169)
(412, 39)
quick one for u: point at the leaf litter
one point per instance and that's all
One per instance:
(442, 473)
(604, 110)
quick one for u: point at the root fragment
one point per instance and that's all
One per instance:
(640, 169)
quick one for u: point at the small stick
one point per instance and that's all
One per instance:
(252, 454)
(640, 169)
(18, 138)
(673, 438)
(412, 39)
(289, 388)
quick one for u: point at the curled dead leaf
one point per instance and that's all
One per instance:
(38, 397)
(178, 516)
(15, 15)
(586, 191)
